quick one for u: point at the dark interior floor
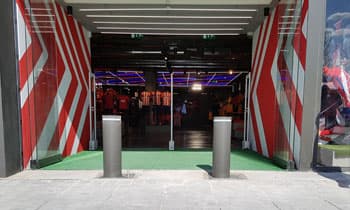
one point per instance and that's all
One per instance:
(159, 136)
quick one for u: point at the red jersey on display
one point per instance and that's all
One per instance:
(166, 98)
(145, 96)
(108, 100)
(158, 98)
(123, 102)
(153, 96)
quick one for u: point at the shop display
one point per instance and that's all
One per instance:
(335, 100)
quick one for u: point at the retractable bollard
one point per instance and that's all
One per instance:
(112, 145)
(221, 147)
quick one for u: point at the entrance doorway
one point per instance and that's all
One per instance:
(147, 114)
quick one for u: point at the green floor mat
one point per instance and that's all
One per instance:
(164, 159)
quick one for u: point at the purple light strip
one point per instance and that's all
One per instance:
(185, 86)
(117, 77)
(211, 79)
(188, 78)
(233, 79)
(140, 76)
(165, 79)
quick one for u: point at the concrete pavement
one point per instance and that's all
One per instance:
(151, 189)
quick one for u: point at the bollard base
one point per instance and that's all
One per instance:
(112, 176)
(171, 145)
(93, 145)
(220, 175)
(245, 145)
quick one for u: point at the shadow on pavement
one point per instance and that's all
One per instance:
(206, 168)
(342, 179)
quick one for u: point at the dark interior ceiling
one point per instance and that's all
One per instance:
(112, 52)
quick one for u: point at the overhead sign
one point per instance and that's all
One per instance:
(209, 37)
(136, 36)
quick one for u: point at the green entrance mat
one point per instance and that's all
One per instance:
(166, 160)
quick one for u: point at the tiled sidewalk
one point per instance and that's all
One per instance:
(175, 189)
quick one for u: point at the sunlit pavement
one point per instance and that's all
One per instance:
(175, 189)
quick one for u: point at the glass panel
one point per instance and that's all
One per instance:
(45, 81)
(334, 124)
(289, 32)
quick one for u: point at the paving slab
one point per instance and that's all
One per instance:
(174, 189)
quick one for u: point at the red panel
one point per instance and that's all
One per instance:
(85, 136)
(255, 71)
(70, 46)
(78, 47)
(75, 124)
(265, 90)
(35, 111)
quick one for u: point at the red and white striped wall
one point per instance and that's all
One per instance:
(277, 81)
(54, 66)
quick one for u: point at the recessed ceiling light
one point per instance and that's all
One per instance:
(287, 33)
(197, 86)
(170, 29)
(42, 21)
(288, 23)
(169, 16)
(290, 16)
(165, 23)
(286, 28)
(156, 33)
(145, 52)
(42, 15)
(167, 9)
(38, 9)
(44, 32)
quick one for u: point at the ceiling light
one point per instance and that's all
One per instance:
(39, 26)
(179, 34)
(286, 33)
(145, 52)
(197, 86)
(286, 28)
(38, 9)
(169, 16)
(180, 52)
(42, 15)
(44, 32)
(42, 21)
(288, 23)
(170, 29)
(290, 16)
(167, 9)
(164, 23)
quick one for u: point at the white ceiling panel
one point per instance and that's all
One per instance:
(172, 17)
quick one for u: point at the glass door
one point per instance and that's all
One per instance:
(45, 88)
(287, 135)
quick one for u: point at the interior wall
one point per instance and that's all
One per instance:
(54, 66)
(277, 81)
